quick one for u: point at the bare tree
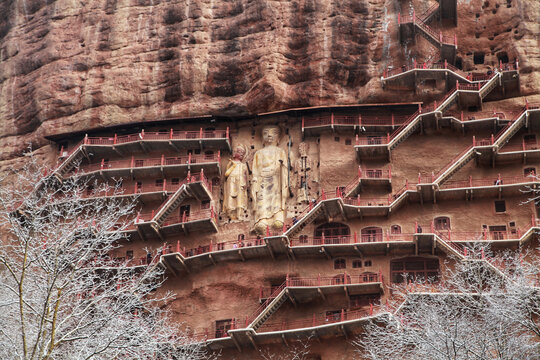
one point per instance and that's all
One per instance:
(61, 295)
(483, 309)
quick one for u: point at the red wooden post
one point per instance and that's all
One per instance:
(370, 309)
(419, 108)
(359, 171)
(287, 280)
(457, 85)
(478, 86)
(387, 138)
(523, 144)
(115, 139)
(171, 134)
(218, 156)
(419, 178)
(102, 163)
(357, 140)
(142, 134)
(323, 196)
(358, 200)
(455, 40)
(445, 64)
(227, 133)
(399, 18)
(342, 315)
(415, 227)
(267, 231)
(393, 120)
(407, 184)
(492, 139)
(500, 65)
(322, 238)
(189, 158)
(303, 122)
(432, 177)
(470, 180)
(211, 246)
(474, 141)
(440, 36)
(387, 235)
(355, 237)
(414, 63)
(359, 120)
(465, 253)
(461, 116)
(200, 134)
(164, 185)
(177, 246)
(319, 279)
(132, 161)
(332, 119)
(85, 139)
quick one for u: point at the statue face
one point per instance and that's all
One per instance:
(239, 153)
(270, 135)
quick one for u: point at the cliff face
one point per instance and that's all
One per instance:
(72, 65)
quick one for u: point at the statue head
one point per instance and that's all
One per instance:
(270, 134)
(303, 149)
(239, 152)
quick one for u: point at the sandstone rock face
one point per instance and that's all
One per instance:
(73, 65)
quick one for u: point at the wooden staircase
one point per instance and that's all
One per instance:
(171, 204)
(270, 307)
(69, 163)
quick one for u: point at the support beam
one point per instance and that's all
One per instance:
(241, 255)
(252, 340)
(342, 327)
(170, 268)
(284, 339)
(321, 293)
(181, 261)
(236, 343)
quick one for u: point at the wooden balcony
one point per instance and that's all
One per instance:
(155, 167)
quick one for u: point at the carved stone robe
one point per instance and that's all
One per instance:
(235, 198)
(269, 185)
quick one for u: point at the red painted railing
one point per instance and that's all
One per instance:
(497, 181)
(349, 239)
(316, 320)
(152, 162)
(160, 135)
(205, 214)
(339, 279)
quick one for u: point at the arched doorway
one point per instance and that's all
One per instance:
(333, 233)
(371, 234)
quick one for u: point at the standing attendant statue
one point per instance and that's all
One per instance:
(302, 169)
(235, 198)
(269, 187)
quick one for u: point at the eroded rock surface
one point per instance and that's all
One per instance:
(72, 65)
